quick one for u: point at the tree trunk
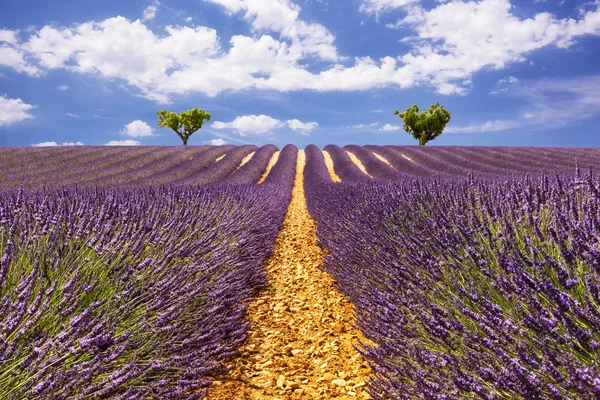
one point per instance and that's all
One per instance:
(184, 141)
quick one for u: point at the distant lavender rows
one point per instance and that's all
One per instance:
(33, 168)
(128, 293)
(478, 287)
(195, 165)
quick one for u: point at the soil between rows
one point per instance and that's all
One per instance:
(301, 342)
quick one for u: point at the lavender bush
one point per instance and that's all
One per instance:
(476, 288)
(252, 171)
(343, 165)
(128, 293)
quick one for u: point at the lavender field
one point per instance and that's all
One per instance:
(125, 273)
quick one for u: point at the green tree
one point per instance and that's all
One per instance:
(185, 123)
(427, 125)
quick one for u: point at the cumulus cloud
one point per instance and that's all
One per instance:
(217, 142)
(52, 144)
(389, 127)
(8, 36)
(14, 110)
(448, 47)
(286, 52)
(250, 124)
(379, 6)
(63, 88)
(150, 11)
(283, 17)
(123, 143)
(304, 127)
(137, 129)
(508, 80)
(15, 59)
(72, 115)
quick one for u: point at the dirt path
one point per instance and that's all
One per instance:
(359, 164)
(301, 341)
(270, 166)
(329, 164)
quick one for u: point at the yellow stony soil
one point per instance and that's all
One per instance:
(271, 164)
(408, 158)
(245, 160)
(382, 158)
(301, 343)
(329, 164)
(359, 164)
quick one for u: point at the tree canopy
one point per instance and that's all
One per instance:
(184, 123)
(427, 125)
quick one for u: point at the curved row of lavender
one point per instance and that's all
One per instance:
(148, 166)
(458, 162)
(125, 292)
(483, 287)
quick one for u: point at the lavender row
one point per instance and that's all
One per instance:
(283, 172)
(475, 288)
(374, 166)
(78, 173)
(128, 293)
(218, 170)
(51, 160)
(343, 165)
(191, 165)
(12, 157)
(253, 169)
(143, 172)
(404, 166)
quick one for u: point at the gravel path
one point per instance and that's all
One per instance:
(301, 343)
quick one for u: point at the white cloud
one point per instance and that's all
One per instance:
(389, 127)
(487, 126)
(63, 88)
(447, 50)
(137, 129)
(150, 12)
(189, 19)
(378, 111)
(283, 17)
(52, 144)
(14, 110)
(118, 48)
(249, 124)
(217, 142)
(378, 6)
(8, 36)
(553, 104)
(362, 126)
(558, 103)
(123, 143)
(14, 58)
(450, 47)
(72, 115)
(304, 127)
(507, 80)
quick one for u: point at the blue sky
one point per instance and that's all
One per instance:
(299, 71)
